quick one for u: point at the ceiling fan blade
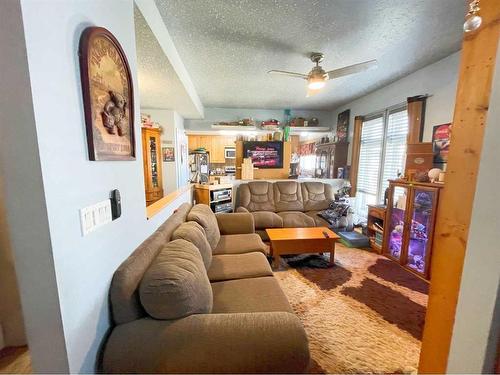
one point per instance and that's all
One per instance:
(351, 69)
(289, 74)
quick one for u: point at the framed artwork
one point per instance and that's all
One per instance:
(168, 153)
(441, 136)
(108, 96)
(343, 125)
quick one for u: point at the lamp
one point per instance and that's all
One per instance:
(472, 20)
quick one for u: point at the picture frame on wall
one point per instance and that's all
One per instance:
(108, 96)
(168, 154)
(441, 138)
(343, 125)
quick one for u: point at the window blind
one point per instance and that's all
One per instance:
(395, 147)
(370, 154)
(382, 155)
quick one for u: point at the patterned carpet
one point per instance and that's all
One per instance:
(365, 315)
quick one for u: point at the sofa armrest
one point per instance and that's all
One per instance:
(241, 209)
(235, 223)
(270, 342)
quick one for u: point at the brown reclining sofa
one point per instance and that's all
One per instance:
(285, 204)
(199, 296)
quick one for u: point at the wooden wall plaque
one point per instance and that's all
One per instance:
(108, 96)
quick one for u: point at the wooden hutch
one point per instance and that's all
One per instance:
(153, 178)
(329, 158)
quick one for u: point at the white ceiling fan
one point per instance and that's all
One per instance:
(317, 77)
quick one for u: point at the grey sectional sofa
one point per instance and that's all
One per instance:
(287, 204)
(199, 296)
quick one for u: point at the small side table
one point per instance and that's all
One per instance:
(375, 226)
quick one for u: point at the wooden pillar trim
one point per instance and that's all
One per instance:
(477, 64)
(356, 146)
(416, 118)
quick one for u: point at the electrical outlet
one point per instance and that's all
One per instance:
(92, 217)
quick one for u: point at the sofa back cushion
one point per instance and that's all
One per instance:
(123, 292)
(288, 196)
(203, 215)
(176, 283)
(257, 196)
(193, 232)
(316, 195)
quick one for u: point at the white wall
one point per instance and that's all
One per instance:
(438, 79)
(44, 157)
(233, 114)
(26, 220)
(477, 323)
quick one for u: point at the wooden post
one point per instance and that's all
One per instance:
(356, 147)
(455, 207)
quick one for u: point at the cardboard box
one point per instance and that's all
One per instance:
(419, 157)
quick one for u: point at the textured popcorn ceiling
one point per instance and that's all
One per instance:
(159, 85)
(228, 46)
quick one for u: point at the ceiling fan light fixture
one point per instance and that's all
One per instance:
(316, 83)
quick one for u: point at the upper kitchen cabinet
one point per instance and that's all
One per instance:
(214, 144)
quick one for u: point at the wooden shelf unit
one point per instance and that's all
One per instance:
(376, 215)
(207, 194)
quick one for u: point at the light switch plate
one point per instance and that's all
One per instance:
(95, 216)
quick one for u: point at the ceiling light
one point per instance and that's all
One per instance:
(472, 20)
(316, 83)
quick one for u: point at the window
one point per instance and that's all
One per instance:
(381, 157)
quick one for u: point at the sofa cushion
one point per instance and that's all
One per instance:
(319, 221)
(296, 219)
(240, 244)
(193, 232)
(238, 266)
(288, 196)
(123, 292)
(261, 294)
(203, 215)
(176, 283)
(257, 196)
(266, 219)
(316, 195)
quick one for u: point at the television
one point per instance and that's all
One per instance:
(264, 154)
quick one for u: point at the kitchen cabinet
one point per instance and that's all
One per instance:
(214, 144)
(409, 224)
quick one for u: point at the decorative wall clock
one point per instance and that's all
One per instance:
(108, 96)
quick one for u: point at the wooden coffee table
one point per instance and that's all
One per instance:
(301, 240)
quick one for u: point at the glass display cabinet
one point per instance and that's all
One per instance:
(410, 217)
(151, 148)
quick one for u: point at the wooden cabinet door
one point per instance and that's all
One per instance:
(218, 145)
(193, 142)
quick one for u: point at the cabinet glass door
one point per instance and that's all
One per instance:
(154, 161)
(396, 221)
(420, 231)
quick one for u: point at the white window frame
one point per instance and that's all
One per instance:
(385, 119)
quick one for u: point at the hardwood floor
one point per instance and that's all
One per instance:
(15, 360)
